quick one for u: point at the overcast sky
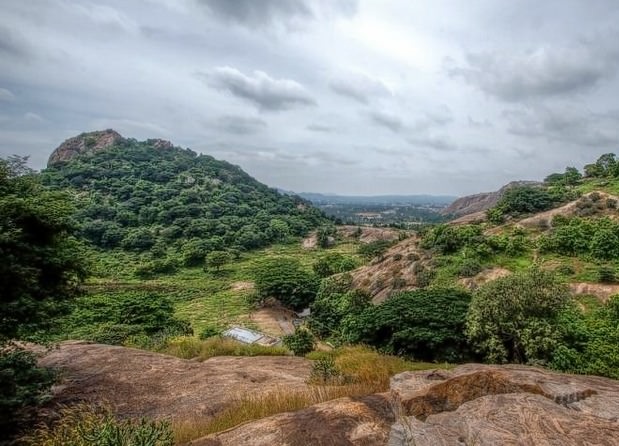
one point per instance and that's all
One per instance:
(345, 96)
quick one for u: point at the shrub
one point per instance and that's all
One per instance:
(209, 332)
(325, 371)
(301, 342)
(374, 249)
(606, 274)
(469, 268)
(85, 425)
(23, 386)
(333, 263)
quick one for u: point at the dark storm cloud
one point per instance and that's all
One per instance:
(360, 88)
(387, 120)
(240, 125)
(546, 72)
(259, 88)
(262, 13)
(568, 125)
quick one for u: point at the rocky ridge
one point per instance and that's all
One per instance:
(84, 143)
(472, 204)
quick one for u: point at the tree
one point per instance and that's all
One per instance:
(287, 281)
(40, 273)
(42, 265)
(301, 342)
(325, 235)
(514, 318)
(425, 324)
(217, 259)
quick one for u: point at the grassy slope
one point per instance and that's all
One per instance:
(203, 298)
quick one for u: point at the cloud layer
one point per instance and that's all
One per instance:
(348, 96)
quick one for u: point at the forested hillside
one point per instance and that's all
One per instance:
(149, 195)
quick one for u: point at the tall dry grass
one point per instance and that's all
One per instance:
(187, 347)
(365, 371)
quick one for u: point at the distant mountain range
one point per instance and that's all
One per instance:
(384, 200)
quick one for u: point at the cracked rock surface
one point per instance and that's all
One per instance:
(507, 405)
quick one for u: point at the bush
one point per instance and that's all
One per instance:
(23, 386)
(85, 425)
(606, 274)
(469, 268)
(325, 371)
(155, 268)
(209, 332)
(374, 249)
(334, 263)
(301, 342)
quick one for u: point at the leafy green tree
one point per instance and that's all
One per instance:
(525, 199)
(287, 281)
(42, 264)
(514, 318)
(217, 259)
(40, 273)
(589, 340)
(301, 342)
(336, 300)
(425, 324)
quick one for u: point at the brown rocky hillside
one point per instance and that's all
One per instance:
(472, 204)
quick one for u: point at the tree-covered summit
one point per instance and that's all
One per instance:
(144, 195)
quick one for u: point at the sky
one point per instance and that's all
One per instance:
(359, 97)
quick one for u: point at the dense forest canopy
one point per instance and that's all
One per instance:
(140, 196)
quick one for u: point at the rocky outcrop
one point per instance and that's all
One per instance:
(84, 143)
(343, 422)
(471, 405)
(472, 204)
(508, 405)
(138, 383)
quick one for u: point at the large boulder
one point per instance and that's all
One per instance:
(84, 143)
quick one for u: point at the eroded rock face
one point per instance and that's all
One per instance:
(86, 142)
(472, 204)
(508, 405)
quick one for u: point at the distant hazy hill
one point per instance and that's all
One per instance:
(386, 200)
(140, 195)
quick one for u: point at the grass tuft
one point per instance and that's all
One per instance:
(187, 347)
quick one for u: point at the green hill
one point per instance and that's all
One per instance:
(151, 196)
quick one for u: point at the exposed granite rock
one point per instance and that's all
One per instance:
(346, 421)
(508, 405)
(471, 204)
(86, 142)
